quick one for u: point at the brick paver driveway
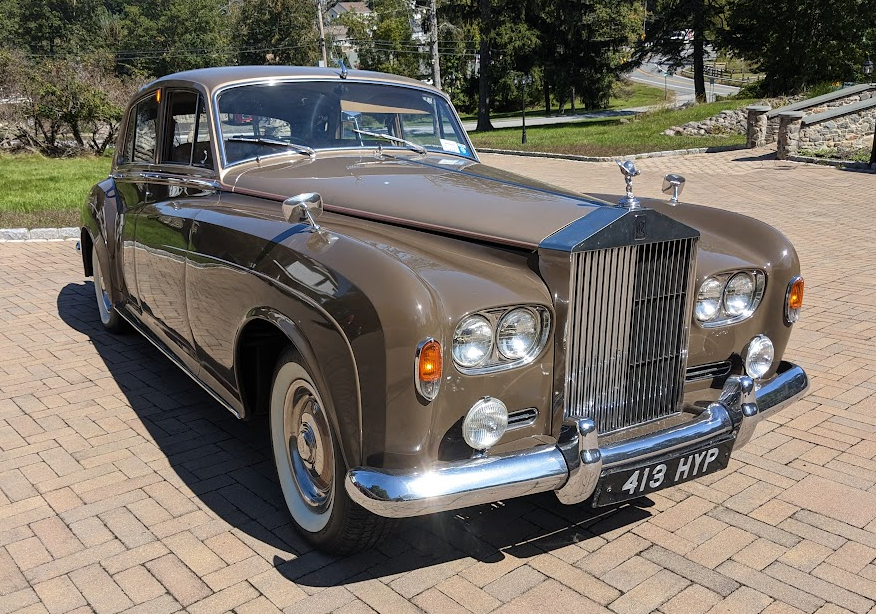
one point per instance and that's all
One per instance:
(123, 487)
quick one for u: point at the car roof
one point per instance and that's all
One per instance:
(214, 78)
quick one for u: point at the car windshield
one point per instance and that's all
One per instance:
(304, 117)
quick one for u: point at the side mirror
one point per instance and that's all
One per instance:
(673, 184)
(303, 208)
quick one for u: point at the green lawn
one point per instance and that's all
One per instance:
(610, 137)
(629, 96)
(38, 192)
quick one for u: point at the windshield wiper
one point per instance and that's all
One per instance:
(262, 140)
(395, 139)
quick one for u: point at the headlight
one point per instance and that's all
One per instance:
(518, 332)
(500, 338)
(759, 356)
(729, 297)
(738, 294)
(485, 423)
(472, 341)
(709, 299)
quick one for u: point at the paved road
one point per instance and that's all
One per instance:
(541, 120)
(123, 487)
(651, 73)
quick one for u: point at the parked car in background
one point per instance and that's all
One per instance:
(426, 332)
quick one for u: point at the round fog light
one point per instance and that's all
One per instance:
(759, 356)
(485, 423)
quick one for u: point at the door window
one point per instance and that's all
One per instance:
(145, 131)
(186, 133)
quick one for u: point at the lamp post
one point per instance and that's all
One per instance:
(523, 81)
(867, 68)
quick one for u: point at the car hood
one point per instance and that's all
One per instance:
(438, 193)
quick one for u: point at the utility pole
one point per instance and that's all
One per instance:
(321, 33)
(433, 27)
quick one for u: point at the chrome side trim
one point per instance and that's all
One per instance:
(573, 466)
(206, 185)
(136, 326)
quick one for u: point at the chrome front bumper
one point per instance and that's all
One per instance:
(573, 466)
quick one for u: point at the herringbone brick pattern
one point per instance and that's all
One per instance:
(125, 488)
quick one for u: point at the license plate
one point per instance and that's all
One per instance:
(624, 484)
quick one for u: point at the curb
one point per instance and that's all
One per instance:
(652, 154)
(14, 235)
(846, 164)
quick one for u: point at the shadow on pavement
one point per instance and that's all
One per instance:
(227, 464)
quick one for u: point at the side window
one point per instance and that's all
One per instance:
(145, 131)
(126, 153)
(186, 136)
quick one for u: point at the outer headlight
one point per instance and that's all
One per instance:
(485, 423)
(472, 341)
(759, 356)
(518, 332)
(729, 297)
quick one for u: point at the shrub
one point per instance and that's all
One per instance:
(60, 106)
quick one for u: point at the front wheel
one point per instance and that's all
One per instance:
(310, 467)
(109, 317)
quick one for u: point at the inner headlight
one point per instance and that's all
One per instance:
(739, 294)
(518, 332)
(709, 299)
(472, 341)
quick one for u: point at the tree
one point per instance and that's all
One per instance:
(194, 34)
(591, 41)
(666, 36)
(384, 38)
(276, 31)
(799, 44)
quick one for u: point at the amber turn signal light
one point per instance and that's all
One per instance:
(793, 300)
(429, 367)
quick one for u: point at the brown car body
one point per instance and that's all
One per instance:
(204, 262)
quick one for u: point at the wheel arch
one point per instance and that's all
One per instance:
(261, 341)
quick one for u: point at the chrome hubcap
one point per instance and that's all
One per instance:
(309, 446)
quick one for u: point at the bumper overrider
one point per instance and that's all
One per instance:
(573, 466)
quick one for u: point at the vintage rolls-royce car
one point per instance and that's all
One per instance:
(425, 332)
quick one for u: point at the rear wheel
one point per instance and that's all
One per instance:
(110, 319)
(310, 466)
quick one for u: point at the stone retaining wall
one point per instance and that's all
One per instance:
(854, 131)
(847, 127)
(819, 104)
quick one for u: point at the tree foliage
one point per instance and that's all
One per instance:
(678, 33)
(59, 107)
(276, 31)
(384, 38)
(799, 44)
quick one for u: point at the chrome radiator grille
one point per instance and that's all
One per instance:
(629, 323)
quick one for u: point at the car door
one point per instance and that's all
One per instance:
(179, 188)
(135, 161)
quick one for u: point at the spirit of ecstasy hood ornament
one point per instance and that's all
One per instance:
(629, 170)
